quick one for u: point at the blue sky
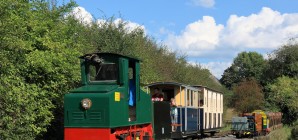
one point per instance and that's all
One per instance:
(209, 32)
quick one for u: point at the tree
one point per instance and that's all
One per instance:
(283, 93)
(282, 62)
(245, 65)
(248, 96)
(37, 67)
(230, 77)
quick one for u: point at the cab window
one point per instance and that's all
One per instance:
(103, 72)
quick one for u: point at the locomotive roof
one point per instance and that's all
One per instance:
(109, 54)
(173, 83)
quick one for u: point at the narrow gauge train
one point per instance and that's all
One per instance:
(110, 104)
(256, 123)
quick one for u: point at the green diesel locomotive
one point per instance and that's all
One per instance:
(110, 104)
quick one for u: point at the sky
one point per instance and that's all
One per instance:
(209, 32)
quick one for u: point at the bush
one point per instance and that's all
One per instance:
(294, 132)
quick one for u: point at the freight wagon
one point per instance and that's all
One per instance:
(256, 123)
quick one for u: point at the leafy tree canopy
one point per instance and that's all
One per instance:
(37, 66)
(245, 65)
(282, 62)
(248, 96)
(284, 94)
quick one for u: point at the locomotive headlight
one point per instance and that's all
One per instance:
(86, 103)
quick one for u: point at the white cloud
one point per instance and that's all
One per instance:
(267, 29)
(86, 18)
(265, 56)
(204, 3)
(163, 30)
(217, 68)
(264, 31)
(197, 37)
(130, 26)
(82, 15)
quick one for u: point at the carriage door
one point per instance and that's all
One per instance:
(132, 90)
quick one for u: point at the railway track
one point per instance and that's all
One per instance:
(226, 135)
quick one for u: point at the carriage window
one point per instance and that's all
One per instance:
(188, 97)
(103, 72)
(191, 98)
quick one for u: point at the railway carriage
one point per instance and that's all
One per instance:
(188, 112)
(199, 110)
(212, 109)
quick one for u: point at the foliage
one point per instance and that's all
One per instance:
(23, 115)
(283, 133)
(230, 77)
(284, 94)
(245, 65)
(248, 96)
(37, 66)
(281, 79)
(282, 62)
(294, 131)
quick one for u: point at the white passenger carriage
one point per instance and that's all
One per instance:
(211, 103)
(199, 110)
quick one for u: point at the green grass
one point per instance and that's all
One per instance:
(281, 134)
(228, 114)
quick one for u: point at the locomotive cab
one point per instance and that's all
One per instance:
(109, 100)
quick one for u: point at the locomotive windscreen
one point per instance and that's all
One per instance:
(103, 72)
